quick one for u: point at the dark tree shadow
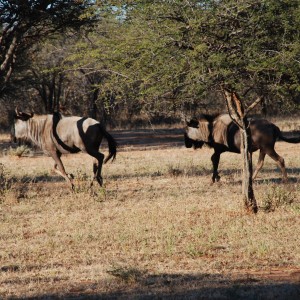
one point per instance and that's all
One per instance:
(181, 286)
(161, 138)
(259, 179)
(265, 181)
(276, 180)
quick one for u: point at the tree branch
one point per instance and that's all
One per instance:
(9, 54)
(250, 107)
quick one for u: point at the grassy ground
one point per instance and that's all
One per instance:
(157, 228)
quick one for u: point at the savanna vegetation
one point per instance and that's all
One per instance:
(144, 61)
(157, 228)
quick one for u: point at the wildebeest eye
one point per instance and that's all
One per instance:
(193, 123)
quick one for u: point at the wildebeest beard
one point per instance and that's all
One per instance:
(189, 143)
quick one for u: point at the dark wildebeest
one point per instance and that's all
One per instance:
(222, 134)
(56, 135)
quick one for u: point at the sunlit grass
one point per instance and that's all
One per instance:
(156, 213)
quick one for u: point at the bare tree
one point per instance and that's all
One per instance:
(239, 116)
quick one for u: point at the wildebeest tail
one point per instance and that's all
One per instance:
(293, 140)
(112, 146)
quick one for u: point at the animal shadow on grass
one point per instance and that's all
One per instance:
(183, 286)
(40, 178)
(173, 171)
(31, 186)
(290, 172)
(259, 180)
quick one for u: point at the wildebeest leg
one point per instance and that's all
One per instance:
(280, 162)
(59, 168)
(97, 166)
(260, 163)
(215, 158)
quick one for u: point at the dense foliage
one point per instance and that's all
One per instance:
(152, 59)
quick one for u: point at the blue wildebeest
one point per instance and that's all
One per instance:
(222, 134)
(56, 134)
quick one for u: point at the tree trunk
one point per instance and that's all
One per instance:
(247, 187)
(236, 112)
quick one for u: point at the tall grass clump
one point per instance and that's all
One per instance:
(5, 182)
(276, 197)
(186, 170)
(126, 274)
(81, 181)
(19, 151)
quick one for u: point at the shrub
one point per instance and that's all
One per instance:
(277, 197)
(126, 274)
(19, 151)
(5, 182)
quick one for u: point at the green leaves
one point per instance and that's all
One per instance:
(164, 56)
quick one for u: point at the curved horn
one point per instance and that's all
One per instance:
(17, 111)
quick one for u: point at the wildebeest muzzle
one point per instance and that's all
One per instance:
(189, 143)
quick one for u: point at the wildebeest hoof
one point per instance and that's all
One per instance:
(215, 179)
(100, 181)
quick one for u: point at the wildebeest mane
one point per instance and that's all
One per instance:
(36, 126)
(208, 118)
(194, 121)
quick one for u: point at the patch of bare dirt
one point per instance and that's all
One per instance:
(144, 139)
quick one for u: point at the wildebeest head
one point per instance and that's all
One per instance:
(193, 136)
(19, 128)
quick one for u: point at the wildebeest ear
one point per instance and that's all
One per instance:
(193, 123)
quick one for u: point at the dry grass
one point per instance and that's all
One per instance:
(157, 228)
